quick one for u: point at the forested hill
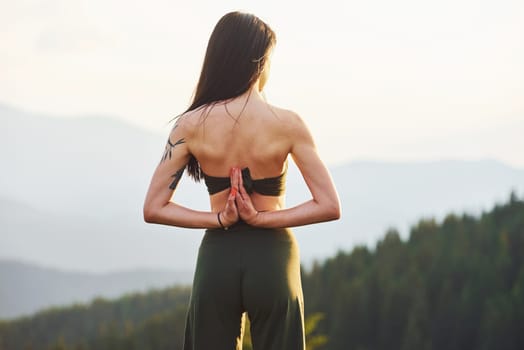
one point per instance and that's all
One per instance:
(455, 284)
(134, 321)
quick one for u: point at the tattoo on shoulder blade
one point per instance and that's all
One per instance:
(176, 178)
(169, 148)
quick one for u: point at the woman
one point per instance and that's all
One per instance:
(239, 144)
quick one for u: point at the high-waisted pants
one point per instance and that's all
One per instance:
(246, 269)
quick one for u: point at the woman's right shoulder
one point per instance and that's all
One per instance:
(190, 120)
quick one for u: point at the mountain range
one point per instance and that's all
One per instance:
(26, 287)
(72, 189)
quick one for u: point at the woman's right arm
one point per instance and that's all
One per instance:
(158, 207)
(324, 204)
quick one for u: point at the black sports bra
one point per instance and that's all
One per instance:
(269, 186)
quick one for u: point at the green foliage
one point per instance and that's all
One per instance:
(102, 324)
(313, 339)
(457, 284)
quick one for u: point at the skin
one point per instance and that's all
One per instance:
(250, 133)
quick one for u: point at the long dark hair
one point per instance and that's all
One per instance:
(236, 54)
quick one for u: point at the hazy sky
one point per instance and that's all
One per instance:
(379, 79)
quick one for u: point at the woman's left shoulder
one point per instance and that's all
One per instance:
(284, 115)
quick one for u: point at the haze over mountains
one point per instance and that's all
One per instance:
(26, 288)
(71, 195)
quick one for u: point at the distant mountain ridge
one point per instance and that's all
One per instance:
(71, 195)
(26, 288)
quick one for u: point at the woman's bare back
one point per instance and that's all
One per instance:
(260, 138)
(244, 132)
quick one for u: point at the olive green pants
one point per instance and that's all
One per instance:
(246, 269)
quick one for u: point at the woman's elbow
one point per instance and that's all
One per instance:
(331, 211)
(334, 211)
(149, 214)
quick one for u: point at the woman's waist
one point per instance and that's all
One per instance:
(243, 231)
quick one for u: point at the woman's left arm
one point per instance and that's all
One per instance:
(158, 208)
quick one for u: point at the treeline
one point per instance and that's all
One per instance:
(457, 284)
(154, 320)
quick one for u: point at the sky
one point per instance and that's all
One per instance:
(385, 80)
